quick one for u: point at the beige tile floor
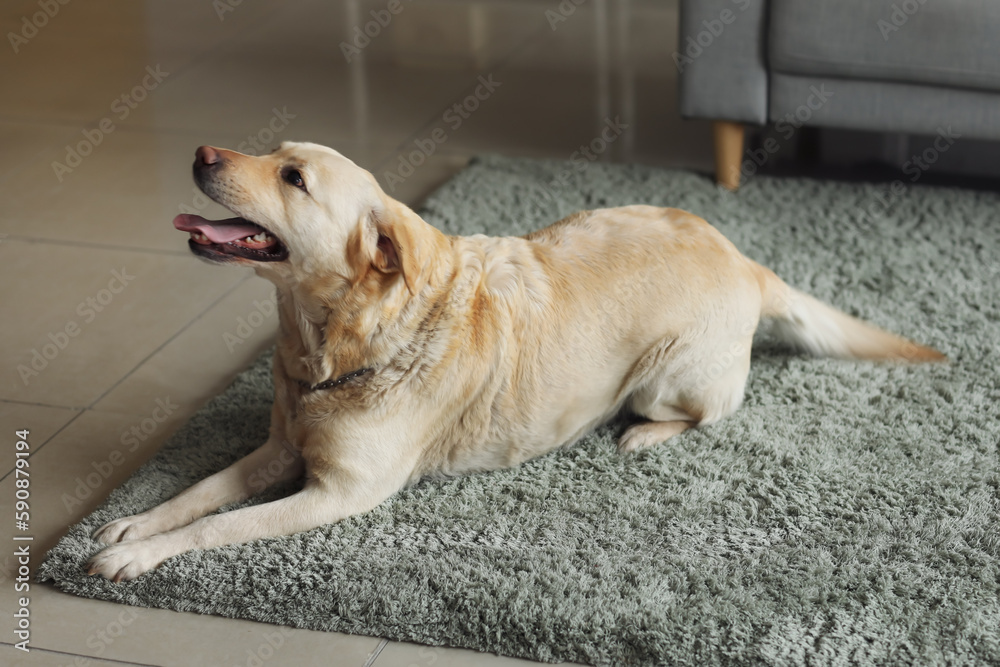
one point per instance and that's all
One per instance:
(111, 315)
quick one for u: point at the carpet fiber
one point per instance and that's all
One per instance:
(849, 512)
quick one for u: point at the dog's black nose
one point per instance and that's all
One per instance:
(206, 155)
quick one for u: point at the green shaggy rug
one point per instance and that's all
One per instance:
(848, 513)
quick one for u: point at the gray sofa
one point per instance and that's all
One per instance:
(907, 66)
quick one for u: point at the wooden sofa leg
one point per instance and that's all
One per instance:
(728, 152)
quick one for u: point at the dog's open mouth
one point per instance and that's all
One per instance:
(231, 238)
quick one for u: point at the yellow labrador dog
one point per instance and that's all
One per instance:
(404, 352)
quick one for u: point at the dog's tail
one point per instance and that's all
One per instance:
(825, 331)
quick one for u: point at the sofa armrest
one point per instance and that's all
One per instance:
(720, 57)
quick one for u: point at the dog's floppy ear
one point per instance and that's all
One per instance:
(402, 246)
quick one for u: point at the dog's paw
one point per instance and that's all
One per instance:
(635, 439)
(128, 529)
(122, 562)
(646, 434)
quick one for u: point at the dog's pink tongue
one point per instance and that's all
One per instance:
(217, 231)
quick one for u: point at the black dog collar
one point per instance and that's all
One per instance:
(333, 384)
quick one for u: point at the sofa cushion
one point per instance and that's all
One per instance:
(939, 42)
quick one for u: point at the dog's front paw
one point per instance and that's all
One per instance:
(129, 528)
(122, 562)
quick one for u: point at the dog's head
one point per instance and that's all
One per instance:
(304, 213)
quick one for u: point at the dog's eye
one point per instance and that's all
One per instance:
(295, 178)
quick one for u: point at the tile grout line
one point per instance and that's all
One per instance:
(51, 123)
(375, 654)
(187, 326)
(47, 440)
(89, 408)
(85, 657)
(98, 246)
(41, 405)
